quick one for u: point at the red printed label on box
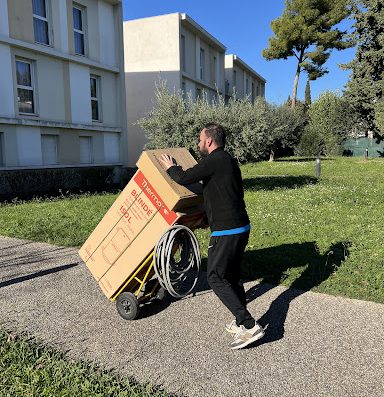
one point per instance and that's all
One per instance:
(155, 199)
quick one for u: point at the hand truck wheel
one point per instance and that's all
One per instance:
(160, 294)
(127, 305)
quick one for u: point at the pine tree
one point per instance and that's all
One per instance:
(306, 30)
(365, 87)
(308, 99)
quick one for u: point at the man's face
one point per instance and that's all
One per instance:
(203, 148)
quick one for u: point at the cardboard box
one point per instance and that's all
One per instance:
(136, 220)
(176, 197)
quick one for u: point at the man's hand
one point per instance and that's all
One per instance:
(167, 160)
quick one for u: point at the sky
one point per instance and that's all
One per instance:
(244, 28)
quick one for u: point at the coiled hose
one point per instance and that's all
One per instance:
(178, 277)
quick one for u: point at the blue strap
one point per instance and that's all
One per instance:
(228, 232)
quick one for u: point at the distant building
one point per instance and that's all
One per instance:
(169, 47)
(62, 101)
(242, 79)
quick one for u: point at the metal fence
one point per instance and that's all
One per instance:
(364, 147)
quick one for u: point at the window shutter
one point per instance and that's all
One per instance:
(85, 150)
(49, 144)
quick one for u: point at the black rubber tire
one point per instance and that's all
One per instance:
(160, 294)
(127, 305)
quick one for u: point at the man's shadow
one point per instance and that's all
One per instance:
(270, 265)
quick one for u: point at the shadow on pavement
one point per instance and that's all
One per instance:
(270, 266)
(37, 274)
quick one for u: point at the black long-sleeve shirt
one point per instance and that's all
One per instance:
(222, 189)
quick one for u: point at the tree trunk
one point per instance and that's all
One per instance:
(296, 81)
(271, 155)
(295, 84)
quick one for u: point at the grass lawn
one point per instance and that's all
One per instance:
(325, 236)
(30, 370)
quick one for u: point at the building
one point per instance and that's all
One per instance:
(242, 79)
(172, 48)
(62, 101)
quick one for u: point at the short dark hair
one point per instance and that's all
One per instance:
(216, 132)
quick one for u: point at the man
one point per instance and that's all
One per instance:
(229, 223)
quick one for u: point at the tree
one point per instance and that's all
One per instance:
(308, 99)
(285, 126)
(254, 130)
(331, 119)
(306, 30)
(365, 87)
(379, 116)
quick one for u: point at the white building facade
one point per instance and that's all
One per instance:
(172, 48)
(62, 97)
(242, 79)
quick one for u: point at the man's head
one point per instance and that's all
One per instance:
(211, 137)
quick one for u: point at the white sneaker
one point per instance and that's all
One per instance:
(247, 336)
(232, 327)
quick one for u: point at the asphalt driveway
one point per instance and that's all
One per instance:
(315, 344)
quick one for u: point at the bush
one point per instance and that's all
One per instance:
(331, 119)
(25, 184)
(252, 128)
(379, 116)
(285, 127)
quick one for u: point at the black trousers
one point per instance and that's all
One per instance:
(224, 271)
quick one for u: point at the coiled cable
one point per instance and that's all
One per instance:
(178, 277)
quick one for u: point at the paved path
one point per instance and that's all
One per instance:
(315, 345)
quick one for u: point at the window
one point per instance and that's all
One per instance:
(95, 97)
(86, 150)
(234, 78)
(40, 21)
(183, 53)
(79, 29)
(202, 64)
(246, 86)
(49, 149)
(226, 87)
(253, 92)
(214, 70)
(111, 147)
(25, 89)
(1, 150)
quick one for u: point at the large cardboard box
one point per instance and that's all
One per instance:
(144, 210)
(175, 196)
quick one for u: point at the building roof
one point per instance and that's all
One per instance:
(194, 26)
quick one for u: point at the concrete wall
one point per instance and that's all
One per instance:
(7, 105)
(28, 146)
(20, 20)
(190, 52)
(107, 34)
(152, 52)
(80, 94)
(111, 111)
(60, 26)
(4, 25)
(22, 146)
(242, 74)
(61, 86)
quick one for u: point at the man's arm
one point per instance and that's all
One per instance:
(201, 170)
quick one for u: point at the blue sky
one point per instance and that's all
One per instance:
(244, 28)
